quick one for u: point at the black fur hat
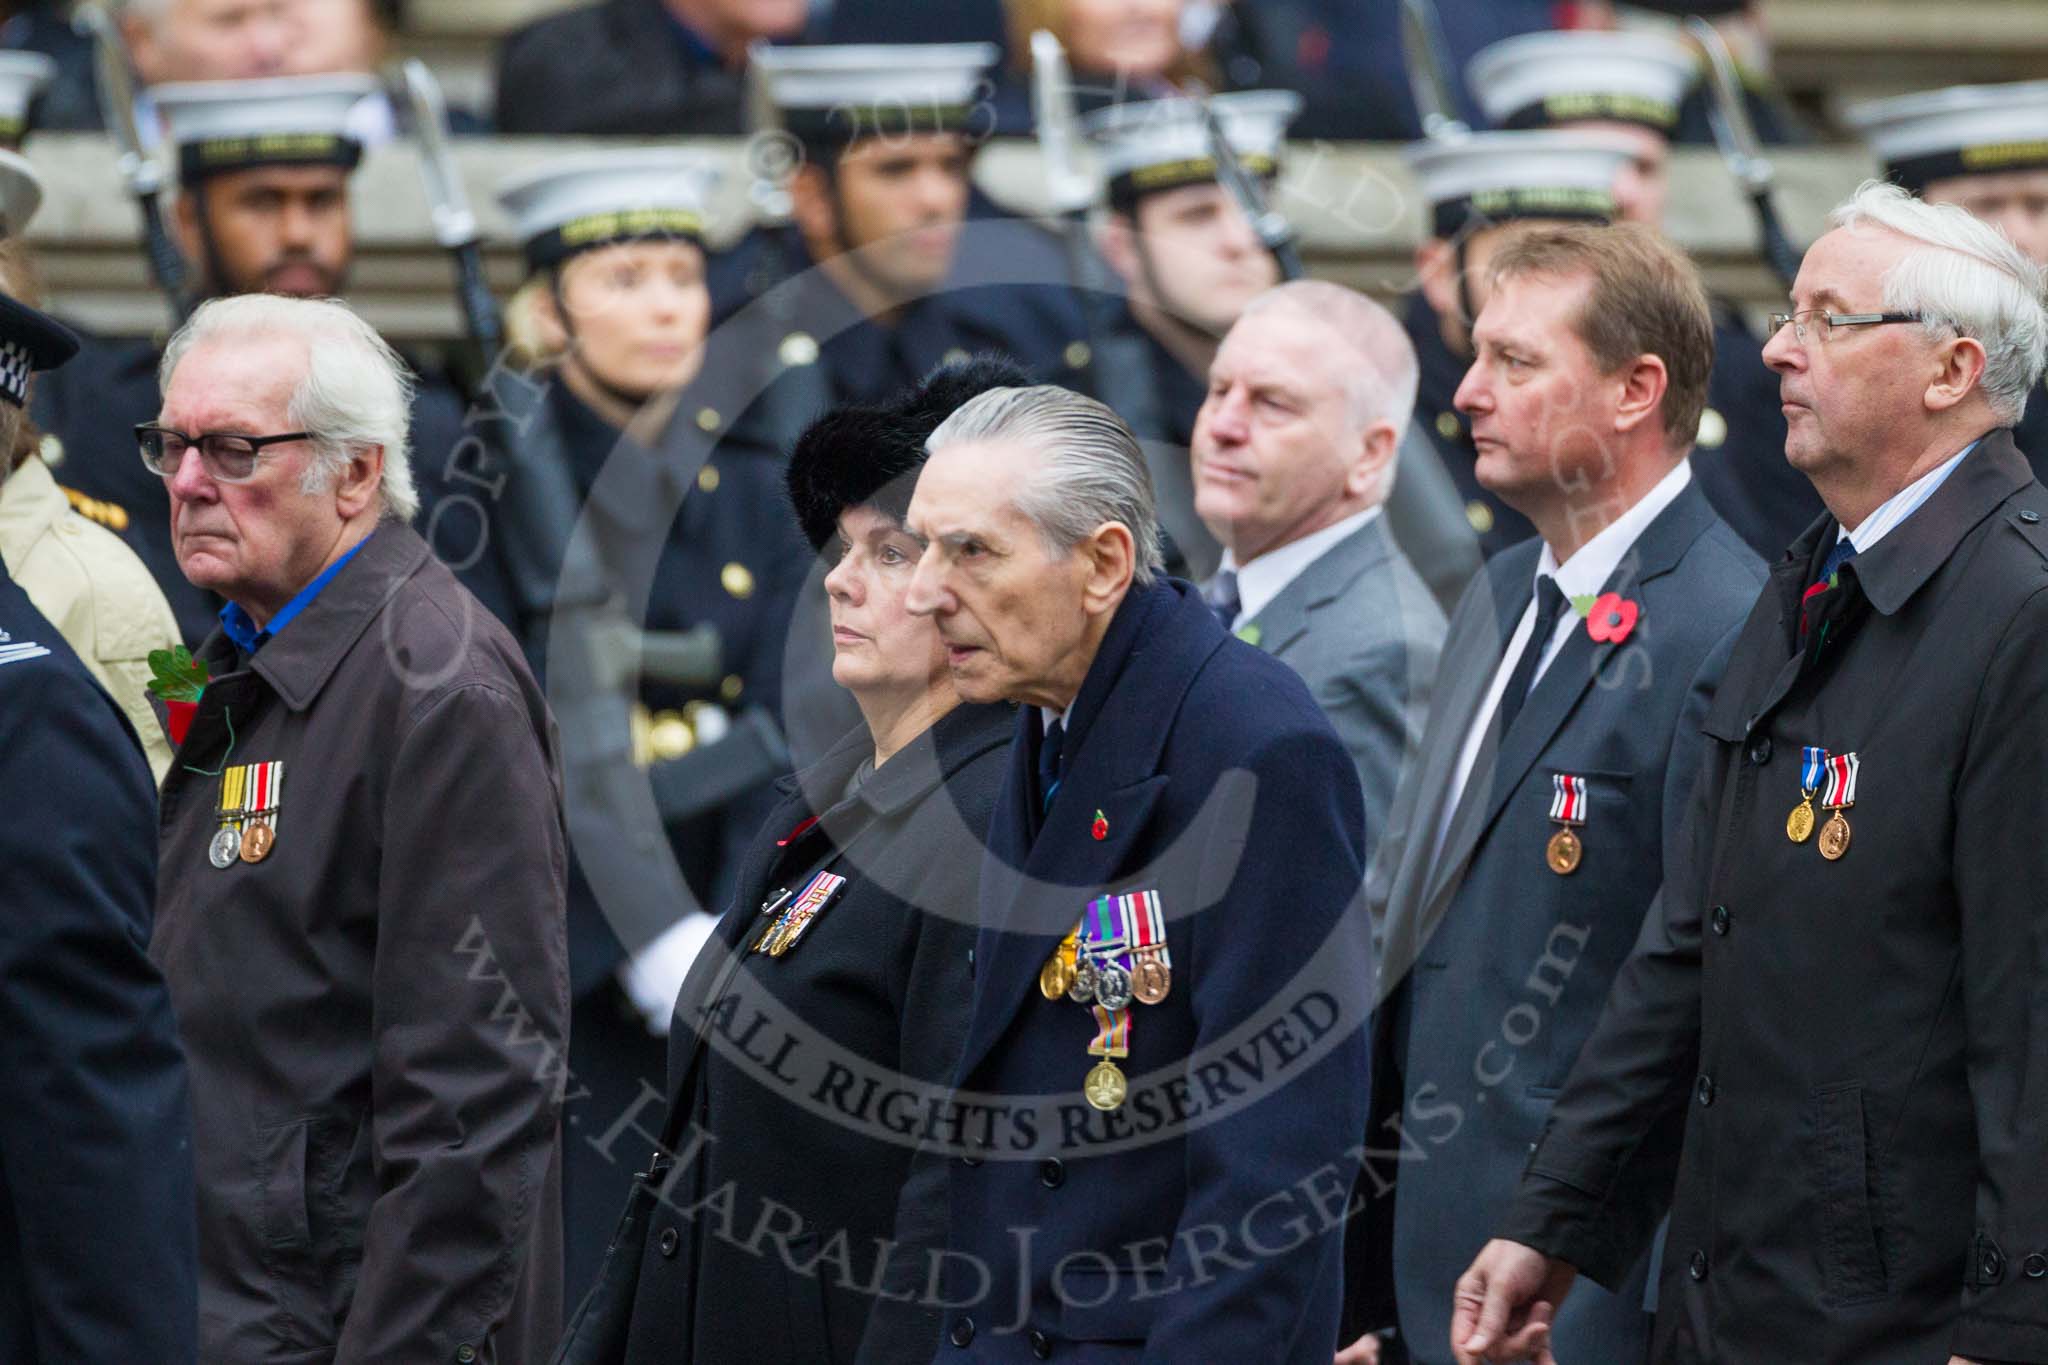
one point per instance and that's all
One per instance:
(862, 453)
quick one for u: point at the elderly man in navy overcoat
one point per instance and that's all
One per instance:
(1164, 1068)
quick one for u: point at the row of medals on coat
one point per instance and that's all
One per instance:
(1114, 956)
(250, 794)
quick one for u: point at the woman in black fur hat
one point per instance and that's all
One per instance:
(789, 1217)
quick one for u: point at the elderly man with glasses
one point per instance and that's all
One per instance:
(1832, 1041)
(361, 875)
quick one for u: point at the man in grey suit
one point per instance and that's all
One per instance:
(1530, 841)
(1293, 455)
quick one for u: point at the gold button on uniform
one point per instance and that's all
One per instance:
(1480, 515)
(1078, 354)
(1448, 426)
(731, 688)
(707, 419)
(707, 479)
(736, 579)
(1713, 430)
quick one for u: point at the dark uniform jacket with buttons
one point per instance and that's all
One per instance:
(1440, 371)
(1198, 1220)
(1854, 1053)
(1007, 292)
(375, 1014)
(1493, 967)
(96, 1209)
(1740, 456)
(804, 1103)
(692, 539)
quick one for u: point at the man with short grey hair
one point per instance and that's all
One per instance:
(361, 880)
(1294, 454)
(1177, 861)
(1833, 1039)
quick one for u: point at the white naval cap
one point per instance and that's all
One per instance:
(593, 199)
(838, 93)
(1963, 130)
(280, 120)
(1540, 80)
(1495, 177)
(21, 193)
(23, 76)
(1164, 144)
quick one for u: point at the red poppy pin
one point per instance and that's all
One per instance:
(1100, 829)
(177, 679)
(1611, 618)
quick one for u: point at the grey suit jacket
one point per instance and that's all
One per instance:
(1494, 967)
(1362, 629)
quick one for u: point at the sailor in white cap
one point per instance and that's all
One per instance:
(613, 245)
(1984, 147)
(263, 172)
(1188, 258)
(1472, 189)
(58, 549)
(1631, 85)
(263, 207)
(894, 278)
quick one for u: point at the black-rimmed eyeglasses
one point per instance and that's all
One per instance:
(1825, 322)
(226, 457)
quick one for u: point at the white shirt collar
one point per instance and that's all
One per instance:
(1901, 504)
(1593, 563)
(1267, 576)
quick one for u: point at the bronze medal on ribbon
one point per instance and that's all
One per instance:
(1568, 808)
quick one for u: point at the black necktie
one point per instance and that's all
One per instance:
(1049, 765)
(1549, 606)
(1223, 598)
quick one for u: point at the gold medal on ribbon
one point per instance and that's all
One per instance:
(1056, 977)
(1813, 762)
(1568, 809)
(1563, 852)
(1842, 770)
(1105, 1086)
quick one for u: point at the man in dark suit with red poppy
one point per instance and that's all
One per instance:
(1528, 841)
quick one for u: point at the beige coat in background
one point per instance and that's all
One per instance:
(94, 590)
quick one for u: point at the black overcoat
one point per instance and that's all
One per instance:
(1854, 1052)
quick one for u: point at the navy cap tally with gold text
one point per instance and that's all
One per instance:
(1155, 145)
(1963, 130)
(1498, 177)
(593, 199)
(832, 95)
(1542, 80)
(278, 121)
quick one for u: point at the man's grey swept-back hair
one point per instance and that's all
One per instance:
(1966, 279)
(356, 392)
(1094, 470)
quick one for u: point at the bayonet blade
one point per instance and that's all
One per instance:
(447, 199)
(1070, 187)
